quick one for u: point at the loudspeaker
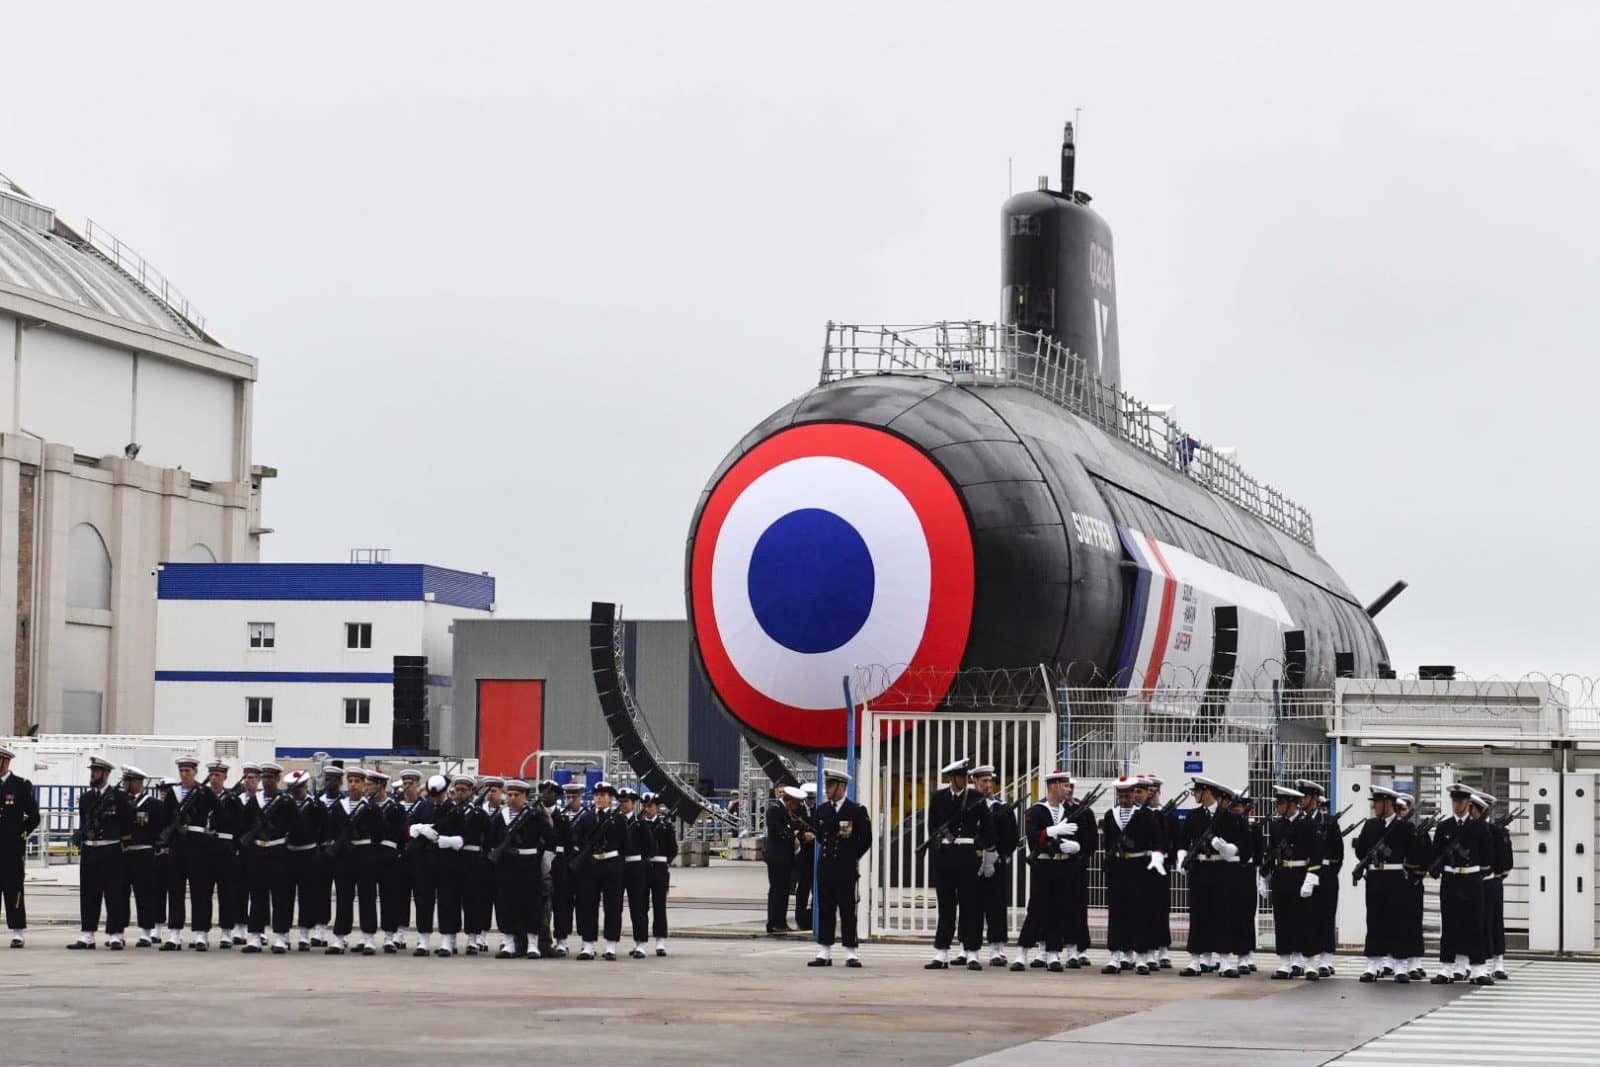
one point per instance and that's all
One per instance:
(411, 736)
(410, 688)
(1294, 659)
(1437, 672)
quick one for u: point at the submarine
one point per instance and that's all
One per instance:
(970, 496)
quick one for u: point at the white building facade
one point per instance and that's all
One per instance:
(124, 442)
(314, 655)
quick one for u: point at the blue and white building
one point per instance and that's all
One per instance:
(310, 654)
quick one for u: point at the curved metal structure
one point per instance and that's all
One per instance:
(626, 721)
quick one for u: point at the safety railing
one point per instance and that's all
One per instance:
(139, 269)
(980, 354)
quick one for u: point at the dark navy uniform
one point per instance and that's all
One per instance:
(965, 830)
(140, 850)
(1294, 846)
(271, 882)
(777, 852)
(519, 840)
(447, 868)
(19, 817)
(393, 873)
(104, 816)
(213, 859)
(304, 855)
(1502, 859)
(995, 888)
(477, 880)
(664, 849)
(1382, 845)
(1462, 849)
(561, 883)
(356, 828)
(844, 834)
(805, 868)
(601, 838)
(1053, 882)
(416, 860)
(636, 876)
(1131, 836)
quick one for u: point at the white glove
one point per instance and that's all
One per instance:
(1183, 854)
(1158, 863)
(422, 829)
(986, 868)
(451, 843)
(416, 830)
(546, 861)
(1071, 829)
(1061, 829)
(1225, 849)
(1070, 848)
(1261, 887)
(1308, 887)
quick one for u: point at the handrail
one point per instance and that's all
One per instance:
(986, 354)
(143, 273)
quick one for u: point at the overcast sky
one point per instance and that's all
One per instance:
(519, 275)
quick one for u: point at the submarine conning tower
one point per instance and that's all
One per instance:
(1057, 271)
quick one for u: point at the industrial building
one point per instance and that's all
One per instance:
(343, 658)
(525, 685)
(124, 442)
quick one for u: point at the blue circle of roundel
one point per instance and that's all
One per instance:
(811, 581)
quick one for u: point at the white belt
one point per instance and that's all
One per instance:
(1462, 870)
(191, 829)
(1386, 867)
(385, 844)
(362, 841)
(561, 848)
(301, 848)
(606, 855)
(1132, 856)
(660, 859)
(632, 859)
(269, 844)
(118, 841)
(137, 848)
(1057, 857)
(526, 851)
(471, 848)
(965, 841)
(220, 835)
(1293, 863)
(1211, 859)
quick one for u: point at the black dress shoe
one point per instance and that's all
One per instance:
(1141, 969)
(1073, 963)
(612, 956)
(1483, 979)
(278, 950)
(168, 946)
(200, 946)
(389, 948)
(505, 954)
(1326, 972)
(997, 961)
(659, 952)
(852, 962)
(369, 950)
(974, 964)
(303, 946)
(1403, 978)
(637, 954)
(1018, 965)
(1111, 968)
(1166, 965)
(1125, 966)
(1367, 976)
(114, 946)
(1297, 972)
(76, 945)
(1440, 979)
(333, 950)
(251, 950)
(819, 962)
(1230, 973)
(419, 951)
(1037, 965)
(1054, 966)
(935, 965)
(1191, 972)
(1313, 976)
(1501, 976)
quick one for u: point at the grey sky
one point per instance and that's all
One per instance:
(519, 275)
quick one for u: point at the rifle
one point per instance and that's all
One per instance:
(248, 838)
(340, 843)
(165, 840)
(90, 815)
(1380, 846)
(944, 827)
(1341, 814)
(1436, 868)
(1509, 817)
(585, 848)
(1172, 805)
(1087, 803)
(511, 834)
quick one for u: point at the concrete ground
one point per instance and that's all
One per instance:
(724, 995)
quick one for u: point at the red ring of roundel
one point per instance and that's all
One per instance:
(944, 524)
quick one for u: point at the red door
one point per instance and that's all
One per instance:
(510, 723)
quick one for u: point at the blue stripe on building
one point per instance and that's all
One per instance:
(304, 752)
(325, 581)
(274, 676)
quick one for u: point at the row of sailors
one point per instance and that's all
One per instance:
(346, 869)
(1294, 863)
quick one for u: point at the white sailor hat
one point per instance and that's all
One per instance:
(492, 781)
(1308, 787)
(437, 783)
(1464, 792)
(250, 768)
(380, 777)
(809, 788)
(627, 792)
(130, 771)
(516, 785)
(296, 779)
(411, 774)
(1057, 776)
(1239, 796)
(467, 778)
(983, 770)
(216, 766)
(835, 776)
(1283, 792)
(648, 797)
(354, 772)
(1482, 800)
(98, 764)
(794, 794)
(605, 787)
(1405, 800)
(333, 770)
(1383, 792)
(1488, 798)
(1203, 782)
(962, 766)
(1127, 782)
(573, 786)
(6, 753)
(187, 759)
(1151, 780)
(272, 768)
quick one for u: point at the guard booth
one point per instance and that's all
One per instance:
(1521, 741)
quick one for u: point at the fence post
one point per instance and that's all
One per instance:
(1277, 732)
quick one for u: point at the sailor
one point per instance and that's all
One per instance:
(233, 891)
(446, 861)
(355, 828)
(1051, 834)
(271, 885)
(664, 849)
(1416, 858)
(103, 817)
(392, 874)
(1325, 901)
(1501, 860)
(549, 800)
(962, 830)
(1461, 851)
(1213, 839)
(635, 869)
(1294, 860)
(146, 813)
(1076, 954)
(19, 817)
(777, 851)
(995, 876)
(1161, 888)
(415, 864)
(844, 833)
(562, 897)
(1242, 894)
(322, 891)
(1135, 858)
(600, 838)
(213, 860)
(302, 854)
(477, 895)
(805, 859)
(1380, 847)
(517, 841)
(183, 825)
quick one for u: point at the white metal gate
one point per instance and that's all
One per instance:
(897, 775)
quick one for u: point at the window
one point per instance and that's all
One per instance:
(258, 710)
(263, 635)
(357, 711)
(358, 635)
(88, 569)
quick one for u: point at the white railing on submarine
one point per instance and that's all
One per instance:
(981, 353)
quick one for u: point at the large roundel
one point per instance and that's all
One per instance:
(824, 548)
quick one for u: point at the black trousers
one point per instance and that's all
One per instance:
(394, 890)
(321, 890)
(600, 888)
(1388, 907)
(355, 879)
(103, 879)
(145, 878)
(1160, 908)
(1049, 914)
(1461, 918)
(305, 874)
(11, 876)
(1208, 918)
(271, 890)
(518, 897)
(1127, 902)
(659, 879)
(477, 894)
(836, 903)
(955, 887)
(1494, 917)
(1242, 900)
(804, 869)
(780, 879)
(994, 895)
(1327, 902)
(562, 898)
(636, 884)
(423, 888)
(206, 859)
(233, 896)
(445, 872)
(179, 874)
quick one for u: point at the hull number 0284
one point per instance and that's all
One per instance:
(1097, 533)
